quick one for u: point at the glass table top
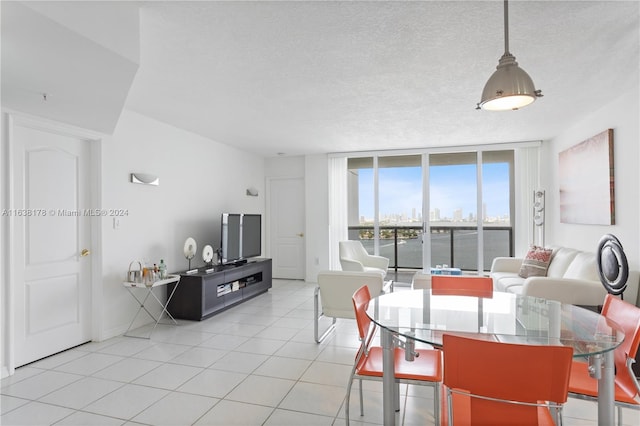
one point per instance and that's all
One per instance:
(503, 317)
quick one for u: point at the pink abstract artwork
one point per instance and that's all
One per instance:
(587, 181)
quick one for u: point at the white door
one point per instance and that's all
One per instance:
(286, 226)
(51, 241)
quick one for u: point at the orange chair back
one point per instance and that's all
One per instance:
(361, 299)
(505, 371)
(461, 286)
(627, 316)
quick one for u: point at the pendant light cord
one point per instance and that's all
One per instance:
(506, 27)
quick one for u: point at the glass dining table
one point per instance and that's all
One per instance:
(422, 316)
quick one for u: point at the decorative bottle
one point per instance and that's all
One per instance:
(163, 269)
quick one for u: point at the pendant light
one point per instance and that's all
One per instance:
(509, 87)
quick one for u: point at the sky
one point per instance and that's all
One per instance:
(452, 187)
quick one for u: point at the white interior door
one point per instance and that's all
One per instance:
(51, 262)
(286, 226)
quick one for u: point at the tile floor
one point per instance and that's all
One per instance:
(255, 364)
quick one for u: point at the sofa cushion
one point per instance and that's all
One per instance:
(560, 261)
(508, 284)
(536, 262)
(583, 267)
(516, 289)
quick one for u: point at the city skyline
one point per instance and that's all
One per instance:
(452, 191)
(434, 216)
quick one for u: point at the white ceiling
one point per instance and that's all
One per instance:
(313, 77)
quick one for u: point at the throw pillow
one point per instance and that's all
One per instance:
(536, 262)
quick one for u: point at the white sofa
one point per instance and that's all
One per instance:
(572, 277)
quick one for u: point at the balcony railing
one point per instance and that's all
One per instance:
(455, 246)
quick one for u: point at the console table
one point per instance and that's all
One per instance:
(209, 291)
(172, 280)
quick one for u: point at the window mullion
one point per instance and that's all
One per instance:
(376, 208)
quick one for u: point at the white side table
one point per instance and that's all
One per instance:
(136, 288)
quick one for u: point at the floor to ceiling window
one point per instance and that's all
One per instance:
(400, 209)
(385, 207)
(470, 205)
(466, 204)
(498, 190)
(453, 208)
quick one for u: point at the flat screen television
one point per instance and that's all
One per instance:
(241, 237)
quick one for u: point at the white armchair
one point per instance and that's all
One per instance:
(354, 257)
(335, 290)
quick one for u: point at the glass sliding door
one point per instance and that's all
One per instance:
(497, 205)
(400, 210)
(471, 205)
(453, 194)
(385, 207)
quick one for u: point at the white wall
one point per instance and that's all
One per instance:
(280, 167)
(4, 247)
(620, 115)
(317, 215)
(199, 180)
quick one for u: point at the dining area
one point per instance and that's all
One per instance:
(493, 357)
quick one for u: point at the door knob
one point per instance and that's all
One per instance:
(300, 234)
(85, 252)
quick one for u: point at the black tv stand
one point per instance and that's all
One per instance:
(203, 294)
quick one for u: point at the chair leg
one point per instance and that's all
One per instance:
(449, 407)
(326, 332)
(346, 402)
(555, 413)
(316, 316)
(436, 403)
(619, 415)
(349, 385)
(361, 399)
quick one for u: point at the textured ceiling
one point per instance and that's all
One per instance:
(314, 77)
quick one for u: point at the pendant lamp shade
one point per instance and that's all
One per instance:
(509, 87)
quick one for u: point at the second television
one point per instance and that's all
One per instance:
(241, 237)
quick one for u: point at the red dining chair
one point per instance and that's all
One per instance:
(493, 383)
(425, 369)
(462, 285)
(627, 389)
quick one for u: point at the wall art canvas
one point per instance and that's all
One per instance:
(587, 181)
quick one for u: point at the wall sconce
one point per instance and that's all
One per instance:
(252, 192)
(145, 179)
